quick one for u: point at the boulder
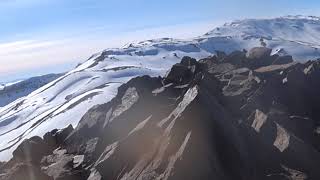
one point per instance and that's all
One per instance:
(63, 166)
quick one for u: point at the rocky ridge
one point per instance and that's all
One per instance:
(246, 115)
(95, 81)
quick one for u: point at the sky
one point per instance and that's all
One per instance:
(48, 36)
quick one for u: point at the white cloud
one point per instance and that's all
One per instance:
(24, 55)
(19, 47)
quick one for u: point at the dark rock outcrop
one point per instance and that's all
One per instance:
(30, 158)
(27, 171)
(259, 53)
(32, 150)
(56, 138)
(225, 117)
(283, 60)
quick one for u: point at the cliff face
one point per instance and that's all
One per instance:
(238, 116)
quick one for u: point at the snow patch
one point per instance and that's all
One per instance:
(172, 160)
(130, 97)
(283, 139)
(140, 125)
(190, 95)
(259, 120)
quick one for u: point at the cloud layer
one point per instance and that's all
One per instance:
(39, 53)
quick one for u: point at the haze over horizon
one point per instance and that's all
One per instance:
(47, 36)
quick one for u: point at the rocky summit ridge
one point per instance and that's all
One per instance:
(246, 115)
(65, 100)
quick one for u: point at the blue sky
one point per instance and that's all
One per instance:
(41, 36)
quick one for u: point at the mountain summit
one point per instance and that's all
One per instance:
(296, 35)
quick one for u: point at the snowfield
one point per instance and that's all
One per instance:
(65, 100)
(11, 91)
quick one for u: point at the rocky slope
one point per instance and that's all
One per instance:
(65, 100)
(238, 116)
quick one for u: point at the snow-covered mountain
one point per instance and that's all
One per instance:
(231, 116)
(295, 35)
(9, 92)
(65, 100)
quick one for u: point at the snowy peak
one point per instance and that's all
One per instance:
(300, 29)
(295, 35)
(303, 17)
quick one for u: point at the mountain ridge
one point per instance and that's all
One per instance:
(223, 117)
(96, 81)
